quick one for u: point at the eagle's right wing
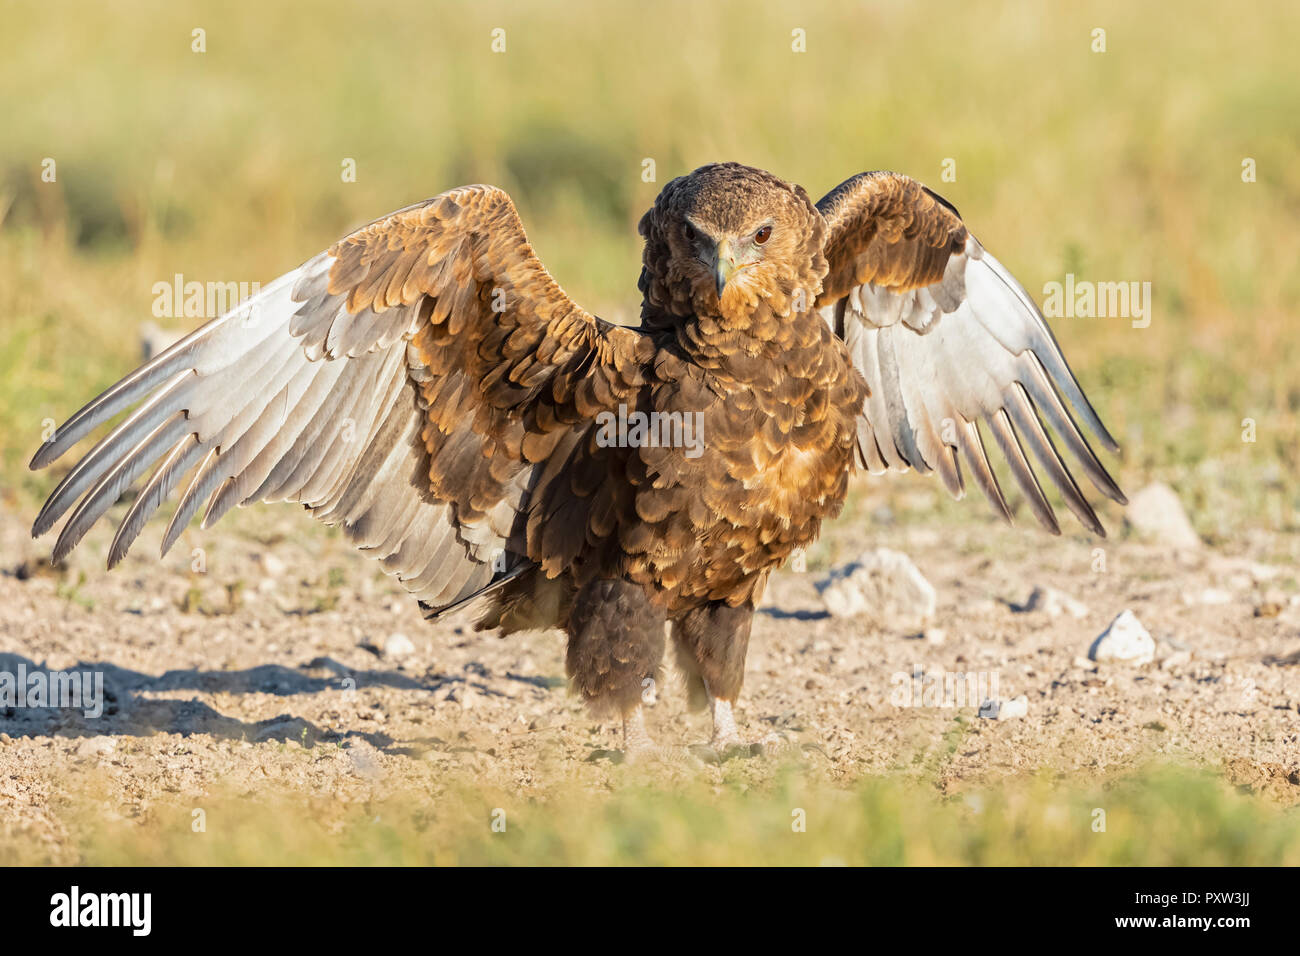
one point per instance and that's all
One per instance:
(948, 340)
(422, 384)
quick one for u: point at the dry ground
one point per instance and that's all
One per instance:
(268, 670)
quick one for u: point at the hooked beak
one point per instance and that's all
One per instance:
(724, 265)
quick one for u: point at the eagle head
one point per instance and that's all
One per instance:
(727, 242)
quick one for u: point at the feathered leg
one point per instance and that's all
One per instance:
(615, 654)
(711, 643)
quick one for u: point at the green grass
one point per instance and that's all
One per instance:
(1173, 817)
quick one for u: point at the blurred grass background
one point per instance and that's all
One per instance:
(1123, 165)
(1116, 166)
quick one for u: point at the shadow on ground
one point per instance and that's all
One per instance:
(118, 701)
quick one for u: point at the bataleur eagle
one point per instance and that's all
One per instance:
(427, 386)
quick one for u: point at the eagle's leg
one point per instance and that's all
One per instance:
(711, 643)
(615, 654)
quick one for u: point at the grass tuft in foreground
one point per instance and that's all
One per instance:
(1161, 816)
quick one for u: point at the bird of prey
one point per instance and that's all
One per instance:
(427, 386)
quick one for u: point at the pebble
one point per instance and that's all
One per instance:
(998, 709)
(1157, 512)
(154, 339)
(398, 644)
(94, 746)
(1208, 596)
(270, 564)
(1125, 640)
(1053, 603)
(882, 584)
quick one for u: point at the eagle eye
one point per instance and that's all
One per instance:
(763, 235)
(689, 232)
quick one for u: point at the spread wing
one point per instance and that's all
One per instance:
(408, 384)
(947, 339)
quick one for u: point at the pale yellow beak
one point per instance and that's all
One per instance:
(724, 264)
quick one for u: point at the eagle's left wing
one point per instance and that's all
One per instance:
(945, 338)
(424, 383)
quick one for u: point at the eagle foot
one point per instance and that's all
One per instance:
(639, 749)
(774, 745)
(727, 743)
(675, 758)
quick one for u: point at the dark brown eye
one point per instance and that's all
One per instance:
(689, 233)
(763, 235)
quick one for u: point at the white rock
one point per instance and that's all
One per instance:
(1265, 572)
(1125, 640)
(271, 564)
(96, 746)
(1053, 603)
(1175, 659)
(884, 585)
(935, 635)
(1208, 596)
(364, 759)
(155, 339)
(1156, 511)
(844, 601)
(398, 644)
(997, 709)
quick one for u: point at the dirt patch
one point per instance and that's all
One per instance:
(280, 659)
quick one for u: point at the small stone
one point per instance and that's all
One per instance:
(155, 339)
(96, 746)
(935, 635)
(884, 585)
(1053, 603)
(1125, 640)
(1208, 596)
(281, 728)
(981, 607)
(270, 564)
(1264, 572)
(1157, 513)
(328, 664)
(398, 644)
(998, 709)
(364, 765)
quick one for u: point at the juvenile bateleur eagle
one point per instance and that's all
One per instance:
(427, 386)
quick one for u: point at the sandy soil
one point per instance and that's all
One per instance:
(280, 643)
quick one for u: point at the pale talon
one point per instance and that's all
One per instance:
(727, 742)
